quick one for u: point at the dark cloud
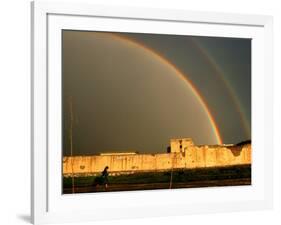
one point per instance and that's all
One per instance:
(126, 99)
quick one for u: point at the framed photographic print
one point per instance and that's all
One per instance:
(149, 112)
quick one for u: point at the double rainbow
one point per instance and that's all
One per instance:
(179, 73)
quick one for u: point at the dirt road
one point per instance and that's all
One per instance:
(151, 186)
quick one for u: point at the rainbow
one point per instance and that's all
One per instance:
(232, 94)
(180, 74)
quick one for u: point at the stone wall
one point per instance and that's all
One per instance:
(184, 154)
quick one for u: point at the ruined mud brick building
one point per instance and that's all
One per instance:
(181, 154)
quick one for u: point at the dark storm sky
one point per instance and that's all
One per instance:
(126, 98)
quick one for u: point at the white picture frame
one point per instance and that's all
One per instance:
(48, 205)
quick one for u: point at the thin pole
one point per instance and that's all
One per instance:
(171, 177)
(71, 143)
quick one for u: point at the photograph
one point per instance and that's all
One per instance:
(151, 111)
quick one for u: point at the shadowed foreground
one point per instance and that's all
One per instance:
(189, 178)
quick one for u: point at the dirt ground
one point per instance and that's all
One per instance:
(151, 186)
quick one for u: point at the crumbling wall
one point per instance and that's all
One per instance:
(214, 156)
(193, 157)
